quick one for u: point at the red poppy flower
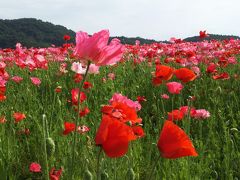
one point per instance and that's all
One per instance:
(211, 68)
(174, 142)
(66, 37)
(74, 93)
(18, 116)
(224, 75)
(2, 98)
(68, 128)
(122, 112)
(58, 89)
(203, 34)
(185, 109)
(162, 73)
(84, 112)
(222, 62)
(156, 81)
(138, 131)
(87, 85)
(114, 137)
(77, 78)
(185, 74)
(2, 90)
(55, 174)
(175, 115)
(141, 99)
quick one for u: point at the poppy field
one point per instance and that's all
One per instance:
(98, 109)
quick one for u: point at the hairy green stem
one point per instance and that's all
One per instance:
(77, 120)
(45, 132)
(98, 163)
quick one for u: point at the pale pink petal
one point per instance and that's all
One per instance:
(77, 68)
(93, 69)
(17, 79)
(117, 97)
(36, 81)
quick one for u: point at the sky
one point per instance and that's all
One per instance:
(151, 19)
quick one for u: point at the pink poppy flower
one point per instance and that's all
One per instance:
(3, 119)
(2, 82)
(117, 97)
(35, 167)
(232, 60)
(77, 68)
(137, 42)
(96, 48)
(165, 96)
(174, 87)
(93, 69)
(2, 65)
(196, 70)
(17, 79)
(201, 114)
(111, 76)
(36, 81)
(63, 68)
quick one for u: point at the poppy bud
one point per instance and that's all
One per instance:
(130, 174)
(232, 144)
(59, 101)
(50, 146)
(88, 175)
(234, 130)
(219, 89)
(215, 174)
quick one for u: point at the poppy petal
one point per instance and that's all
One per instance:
(174, 142)
(116, 147)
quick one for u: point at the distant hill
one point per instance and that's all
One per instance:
(132, 40)
(211, 37)
(32, 32)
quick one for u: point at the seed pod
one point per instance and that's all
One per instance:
(88, 175)
(50, 146)
(130, 174)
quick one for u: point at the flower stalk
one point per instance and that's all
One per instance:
(77, 120)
